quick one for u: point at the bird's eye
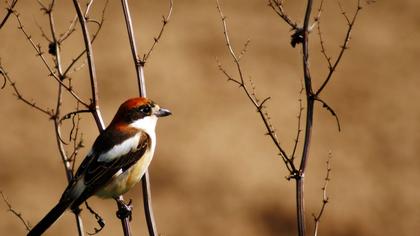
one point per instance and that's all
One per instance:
(145, 110)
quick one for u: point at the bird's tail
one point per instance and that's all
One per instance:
(49, 219)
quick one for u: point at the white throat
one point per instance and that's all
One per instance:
(147, 124)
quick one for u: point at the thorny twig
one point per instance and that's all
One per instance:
(254, 100)
(350, 24)
(277, 6)
(300, 36)
(69, 31)
(74, 133)
(98, 218)
(40, 53)
(54, 49)
(9, 12)
(322, 41)
(94, 36)
(3, 73)
(299, 128)
(73, 113)
(325, 198)
(16, 213)
(331, 110)
(165, 20)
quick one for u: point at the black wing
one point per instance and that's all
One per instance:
(98, 173)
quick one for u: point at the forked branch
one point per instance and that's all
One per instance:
(333, 66)
(251, 93)
(9, 10)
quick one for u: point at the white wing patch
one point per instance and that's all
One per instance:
(120, 149)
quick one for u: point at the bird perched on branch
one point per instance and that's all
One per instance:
(117, 161)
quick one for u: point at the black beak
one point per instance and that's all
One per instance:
(163, 112)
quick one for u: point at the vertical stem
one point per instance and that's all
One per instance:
(147, 202)
(125, 223)
(138, 64)
(91, 64)
(67, 167)
(57, 126)
(94, 105)
(145, 181)
(300, 201)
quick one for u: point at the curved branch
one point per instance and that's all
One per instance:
(331, 110)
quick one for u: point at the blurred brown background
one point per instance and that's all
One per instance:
(214, 171)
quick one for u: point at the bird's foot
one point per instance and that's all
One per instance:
(124, 210)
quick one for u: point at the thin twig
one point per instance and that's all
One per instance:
(325, 198)
(92, 72)
(74, 133)
(350, 24)
(55, 47)
(48, 112)
(139, 66)
(94, 36)
(9, 12)
(98, 218)
(321, 39)
(251, 94)
(69, 31)
(165, 21)
(331, 110)
(73, 113)
(137, 62)
(299, 128)
(16, 213)
(277, 6)
(40, 53)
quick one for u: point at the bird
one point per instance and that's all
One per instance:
(118, 159)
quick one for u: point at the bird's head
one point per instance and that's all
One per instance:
(140, 113)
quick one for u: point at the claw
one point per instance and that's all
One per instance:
(124, 210)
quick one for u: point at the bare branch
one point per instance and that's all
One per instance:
(331, 110)
(16, 213)
(300, 206)
(94, 36)
(322, 41)
(299, 128)
(137, 62)
(244, 49)
(277, 6)
(165, 20)
(69, 31)
(9, 12)
(36, 47)
(3, 73)
(251, 94)
(325, 198)
(92, 72)
(98, 218)
(72, 114)
(40, 53)
(350, 24)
